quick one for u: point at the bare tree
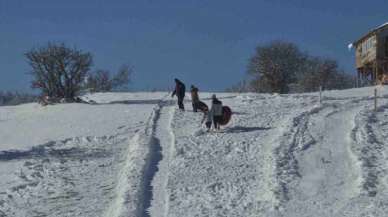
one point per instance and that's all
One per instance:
(322, 72)
(240, 87)
(275, 65)
(314, 73)
(59, 71)
(122, 78)
(281, 67)
(99, 81)
(103, 81)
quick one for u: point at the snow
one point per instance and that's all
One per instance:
(25, 126)
(382, 25)
(136, 154)
(350, 46)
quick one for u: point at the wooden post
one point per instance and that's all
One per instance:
(355, 83)
(320, 95)
(376, 73)
(375, 99)
(375, 69)
(362, 77)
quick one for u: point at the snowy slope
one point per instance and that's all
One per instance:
(68, 159)
(135, 154)
(25, 126)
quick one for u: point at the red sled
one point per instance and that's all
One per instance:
(226, 115)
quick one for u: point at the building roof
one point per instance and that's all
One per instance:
(373, 31)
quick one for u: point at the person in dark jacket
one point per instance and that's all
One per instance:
(194, 97)
(215, 112)
(179, 91)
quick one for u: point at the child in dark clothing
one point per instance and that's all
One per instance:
(214, 115)
(216, 112)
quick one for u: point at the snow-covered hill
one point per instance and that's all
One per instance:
(135, 154)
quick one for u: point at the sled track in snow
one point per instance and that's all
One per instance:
(135, 191)
(153, 192)
(149, 174)
(150, 168)
(163, 133)
(298, 138)
(369, 150)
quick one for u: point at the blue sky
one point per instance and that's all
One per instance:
(207, 43)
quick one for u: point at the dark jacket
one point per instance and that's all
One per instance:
(194, 95)
(180, 89)
(216, 109)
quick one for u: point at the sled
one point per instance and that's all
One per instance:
(226, 115)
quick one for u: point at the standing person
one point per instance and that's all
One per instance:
(206, 115)
(194, 97)
(209, 118)
(180, 90)
(216, 112)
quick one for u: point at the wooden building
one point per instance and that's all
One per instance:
(372, 56)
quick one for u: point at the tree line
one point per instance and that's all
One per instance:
(281, 67)
(61, 73)
(15, 98)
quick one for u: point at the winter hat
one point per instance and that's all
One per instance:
(214, 96)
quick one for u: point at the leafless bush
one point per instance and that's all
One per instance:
(102, 81)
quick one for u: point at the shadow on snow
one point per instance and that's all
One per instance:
(151, 170)
(241, 129)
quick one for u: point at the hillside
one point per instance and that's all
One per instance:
(136, 154)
